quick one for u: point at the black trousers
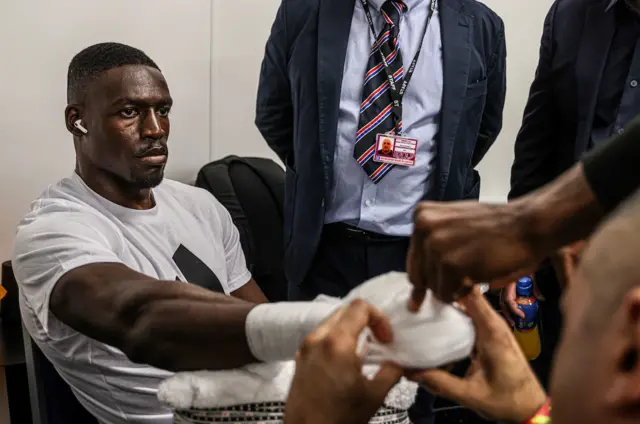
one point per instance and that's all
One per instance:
(549, 321)
(344, 260)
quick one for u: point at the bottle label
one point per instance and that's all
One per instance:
(530, 320)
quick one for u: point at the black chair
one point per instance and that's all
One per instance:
(252, 190)
(51, 398)
(52, 401)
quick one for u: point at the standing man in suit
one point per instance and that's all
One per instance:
(324, 97)
(337, 74)
(585, 90)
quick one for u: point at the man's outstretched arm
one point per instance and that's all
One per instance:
(498, 243)
(70, 276)
(169, 325)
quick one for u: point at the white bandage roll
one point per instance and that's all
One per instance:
(275, 331)
(436, 335)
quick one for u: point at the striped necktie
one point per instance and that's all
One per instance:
(376, 108)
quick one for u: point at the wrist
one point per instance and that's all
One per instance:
(542, 415)
(558, 214)
(275, 331)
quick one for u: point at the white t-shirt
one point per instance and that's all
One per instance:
(187, 236)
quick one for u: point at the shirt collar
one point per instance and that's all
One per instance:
(377, 4)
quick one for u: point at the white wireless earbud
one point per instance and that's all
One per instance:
(78, 125)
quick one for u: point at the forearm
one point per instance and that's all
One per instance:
(180, 334)
(562, 212)
(569, 208)
(222, 332)
(179, 326)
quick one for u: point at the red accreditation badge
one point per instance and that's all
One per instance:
(395, 150)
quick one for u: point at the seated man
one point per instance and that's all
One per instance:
(100, 255)
(125, 277)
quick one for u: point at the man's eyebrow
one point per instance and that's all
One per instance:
(142, 102)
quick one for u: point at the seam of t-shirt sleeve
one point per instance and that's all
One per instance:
(239, 281)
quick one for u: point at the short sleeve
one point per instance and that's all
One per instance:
(237, 273)
(48, 245)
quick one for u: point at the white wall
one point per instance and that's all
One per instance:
(210, 52)
(236, 67)
(523, 22)
(38, 38)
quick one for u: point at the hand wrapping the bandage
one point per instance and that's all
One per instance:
(329, 386)
(499, 384)
(437, 334)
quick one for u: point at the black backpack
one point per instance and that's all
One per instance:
(252, 190)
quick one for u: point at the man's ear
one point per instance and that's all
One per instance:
(625, 390)
(71, 114)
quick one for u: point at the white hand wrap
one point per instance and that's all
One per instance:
(275, 331)
(438, 334)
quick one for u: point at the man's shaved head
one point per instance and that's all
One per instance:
(611, 262)
(597, 366)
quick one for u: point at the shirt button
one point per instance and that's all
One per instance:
(367, 202)
(634, 83)
(620, 130)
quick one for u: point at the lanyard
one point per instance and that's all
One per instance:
(398, 94)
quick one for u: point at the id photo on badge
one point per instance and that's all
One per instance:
(395, 150)
(385, 146)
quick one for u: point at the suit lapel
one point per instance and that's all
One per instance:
(455, 63)
(334, 24)
(598, 32)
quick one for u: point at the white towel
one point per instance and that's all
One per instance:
(252, 384)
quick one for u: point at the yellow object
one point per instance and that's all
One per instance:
(529, 342)
(3, 292)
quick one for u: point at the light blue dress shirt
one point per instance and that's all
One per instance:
(387, 207)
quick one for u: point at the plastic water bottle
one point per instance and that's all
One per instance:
(526, 329)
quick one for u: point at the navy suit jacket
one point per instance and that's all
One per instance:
(558, 118)
(299, 95)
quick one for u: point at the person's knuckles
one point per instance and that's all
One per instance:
(338, 345)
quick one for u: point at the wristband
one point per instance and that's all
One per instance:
(543, 416)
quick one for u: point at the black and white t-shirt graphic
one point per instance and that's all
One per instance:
(196, 271)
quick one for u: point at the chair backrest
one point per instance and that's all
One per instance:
(252, 190)
(51, 398)
(52, 401)
(10, 306)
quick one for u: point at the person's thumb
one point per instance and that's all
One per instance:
(387, 376)
(442, 383)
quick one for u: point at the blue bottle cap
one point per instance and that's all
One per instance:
(524, 287)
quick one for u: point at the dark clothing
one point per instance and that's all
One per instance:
(621, 75)
(298, 105)
(585, 72)
(585, 90)
(549, 321)
(346, 257)
(612, 167)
